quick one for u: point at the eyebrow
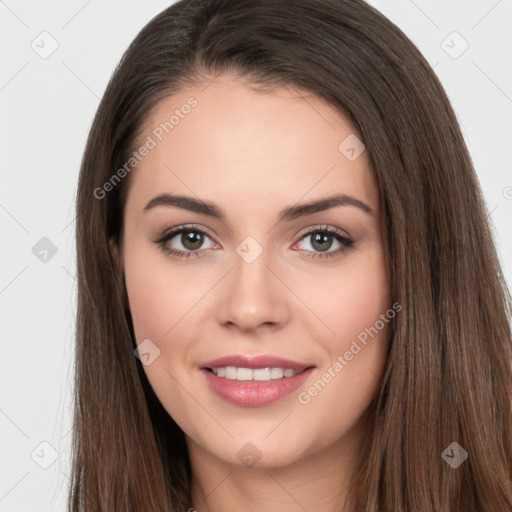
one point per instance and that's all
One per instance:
(287, 214)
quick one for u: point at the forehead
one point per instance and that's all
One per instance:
(223, 139)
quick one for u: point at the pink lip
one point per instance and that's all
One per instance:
(265, 361)
(255, 393)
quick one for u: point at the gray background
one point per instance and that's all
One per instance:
(47, 104)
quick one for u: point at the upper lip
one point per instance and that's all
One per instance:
(257, 361)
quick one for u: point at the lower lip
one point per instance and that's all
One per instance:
(254, 393)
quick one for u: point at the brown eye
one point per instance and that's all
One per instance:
(322, 239)
(192, 240)
(184, 242)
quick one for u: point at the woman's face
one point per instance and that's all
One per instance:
(248, 281)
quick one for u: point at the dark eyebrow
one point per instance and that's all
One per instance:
(287, 214)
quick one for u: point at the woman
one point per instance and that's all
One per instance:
(288, 294)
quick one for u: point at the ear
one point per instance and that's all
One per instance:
(115, 251)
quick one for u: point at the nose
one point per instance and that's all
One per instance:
(253, 296)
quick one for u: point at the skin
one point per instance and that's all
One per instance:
(254, 153)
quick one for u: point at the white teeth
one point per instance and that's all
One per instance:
(264, 374)
(243, 374)
(230, 372)
(276, 373)
(261, 374)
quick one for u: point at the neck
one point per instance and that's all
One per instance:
(317, 481)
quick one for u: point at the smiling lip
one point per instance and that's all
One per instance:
(255, 393)
(242, 361)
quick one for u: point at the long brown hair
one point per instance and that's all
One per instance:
(448, 375)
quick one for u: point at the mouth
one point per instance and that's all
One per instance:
(254, 362)
(255, 381)
(254, 374)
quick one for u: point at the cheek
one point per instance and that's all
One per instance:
(365, 322)
(161, 303)
(165, 300)
(350, 299)
(148, 300)
(358, 311)
(363, 297)
(158, 292)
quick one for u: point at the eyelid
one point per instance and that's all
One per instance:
(171, 232)
(324, 227)
(319, 227)
(342, 236)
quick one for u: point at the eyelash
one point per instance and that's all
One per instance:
(170, 234)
